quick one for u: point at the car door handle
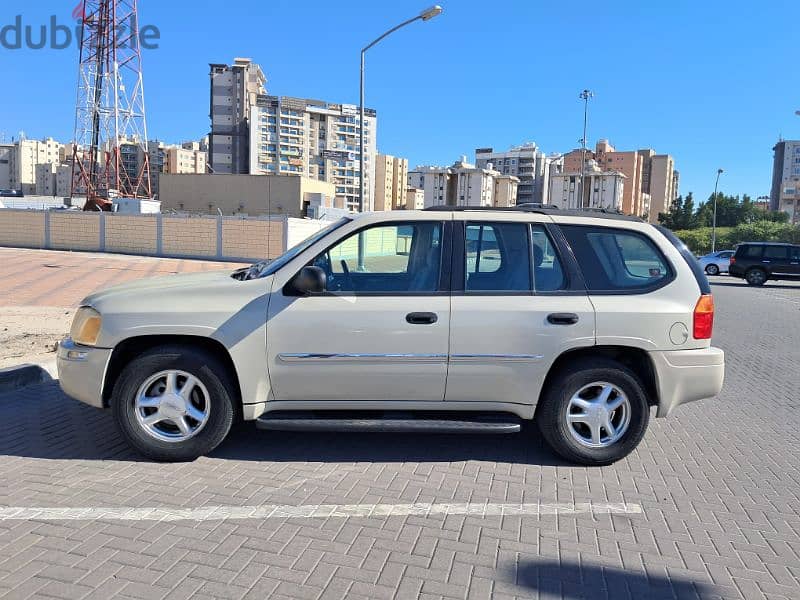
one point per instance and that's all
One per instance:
(422, 318)
(766, 261)
(562, 318)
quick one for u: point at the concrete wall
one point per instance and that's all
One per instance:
(209, 237)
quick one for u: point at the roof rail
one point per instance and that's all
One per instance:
(543, 209)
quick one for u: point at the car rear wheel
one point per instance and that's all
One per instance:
(756, 277)
(593, 412)
(173, 403)
(712, 270)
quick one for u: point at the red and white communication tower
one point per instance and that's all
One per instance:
(110, 157)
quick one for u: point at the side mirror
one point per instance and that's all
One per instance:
(310, 280)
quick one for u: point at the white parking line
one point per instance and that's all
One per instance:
(310, 511)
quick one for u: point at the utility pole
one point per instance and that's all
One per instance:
(714, 218)
(584, 95)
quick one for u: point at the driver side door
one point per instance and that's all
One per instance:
(380, 330)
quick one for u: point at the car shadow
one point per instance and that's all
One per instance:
(741, 283)
(42, 422)
(583, 581)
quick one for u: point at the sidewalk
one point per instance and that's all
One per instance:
(40, 290)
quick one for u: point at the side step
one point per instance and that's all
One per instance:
(405, 423)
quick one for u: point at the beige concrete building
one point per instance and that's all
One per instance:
(178, 160)
(46, 179)
(463, 184)
(252, 195)
(391, 177)
(651, 181)
(5, 166)
(234, 89)
(415, 198)
(601, 188)
(24, 158)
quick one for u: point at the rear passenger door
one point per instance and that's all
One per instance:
(515, 308)
(776, 260)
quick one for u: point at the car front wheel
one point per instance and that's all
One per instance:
(593, 412)
(173, 403)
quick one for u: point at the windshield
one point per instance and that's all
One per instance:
(268, 267)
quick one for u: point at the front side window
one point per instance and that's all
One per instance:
(497, 258)
(396, 258)
(614, 260)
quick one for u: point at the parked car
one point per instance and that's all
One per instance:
(758, 262)
(716, 262)
(457, 321)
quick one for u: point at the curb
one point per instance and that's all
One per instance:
(14, 378)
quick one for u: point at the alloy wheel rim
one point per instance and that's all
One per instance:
(756, 276)
(172, 406)
(598, 415)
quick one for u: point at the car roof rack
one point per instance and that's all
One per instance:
(542, 209)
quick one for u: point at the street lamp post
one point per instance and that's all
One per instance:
(425, 15)
(714, 217)
(584, 95)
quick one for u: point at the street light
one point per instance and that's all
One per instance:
(714, 218)
(425, 15)
(584, 95)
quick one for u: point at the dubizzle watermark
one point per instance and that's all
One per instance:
(54, 35)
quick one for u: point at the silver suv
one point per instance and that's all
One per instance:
(446, 320)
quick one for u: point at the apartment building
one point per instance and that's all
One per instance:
(601, 188)
(234, 89)
(46, 179)
(23, 158)
(464, 184)
(415, 198)
(317, 139)
(651, 181)
(526, 162)
(785, 193)
(391, 177)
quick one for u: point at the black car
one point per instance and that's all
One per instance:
(757, 262)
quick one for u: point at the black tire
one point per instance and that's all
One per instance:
(202, 365)
(551, 413)
(712, 269)
(756, 277)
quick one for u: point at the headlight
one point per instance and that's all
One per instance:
(86, 326)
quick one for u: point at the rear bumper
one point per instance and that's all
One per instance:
(736, 270)
(687, 375)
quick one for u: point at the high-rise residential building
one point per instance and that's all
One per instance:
(180, 159)
(643, 195)
(391, 182)
(526, 162)
(24, 157)
(301, 136)
(234, 89)
(601, 188)
(785, 193)
(464, 184)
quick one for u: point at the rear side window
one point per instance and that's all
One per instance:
(617, 260)
(749, 251)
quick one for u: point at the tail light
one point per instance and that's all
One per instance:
(704, 317)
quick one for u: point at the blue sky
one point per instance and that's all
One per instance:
(712, 83)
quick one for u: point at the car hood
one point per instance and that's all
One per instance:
(211, 304)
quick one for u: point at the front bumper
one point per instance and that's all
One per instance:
(82, 370)
(687, 375)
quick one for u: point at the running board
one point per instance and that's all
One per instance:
(389, 424)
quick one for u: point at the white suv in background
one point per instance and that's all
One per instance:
(445, 320)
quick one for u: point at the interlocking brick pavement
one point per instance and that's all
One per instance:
(718, 483)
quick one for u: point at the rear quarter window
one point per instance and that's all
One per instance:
(617, 260)
(749, 251)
